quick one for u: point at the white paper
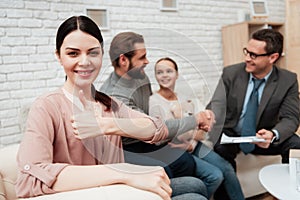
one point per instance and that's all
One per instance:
(246, 139)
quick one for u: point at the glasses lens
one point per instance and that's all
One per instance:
(245, 51)
(251, 54)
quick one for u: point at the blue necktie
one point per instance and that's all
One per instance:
(249, 124)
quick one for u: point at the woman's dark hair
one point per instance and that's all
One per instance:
(168, 59)
(88, 26)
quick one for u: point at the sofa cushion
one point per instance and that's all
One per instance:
(248, 167)
(8, 171)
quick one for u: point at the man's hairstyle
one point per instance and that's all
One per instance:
(123, 43)
(273, 39)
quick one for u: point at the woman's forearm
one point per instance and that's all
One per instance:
(81, 177)
(148, 178)
(139, 128)
(86, 126)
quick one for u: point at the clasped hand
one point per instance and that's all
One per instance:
(205, 120)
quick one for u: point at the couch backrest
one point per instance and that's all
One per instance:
(8, 172)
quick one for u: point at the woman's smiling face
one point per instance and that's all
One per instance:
(165, 74)
(81, 57)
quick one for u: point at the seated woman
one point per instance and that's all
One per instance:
(59, 154)
(210, 167)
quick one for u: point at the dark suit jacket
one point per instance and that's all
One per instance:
(279, 105)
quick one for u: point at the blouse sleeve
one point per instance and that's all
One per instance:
(37, 172)
(161, 131)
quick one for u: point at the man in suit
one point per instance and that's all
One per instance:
(277, 116)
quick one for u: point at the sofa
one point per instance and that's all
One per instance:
(248, 167)
(8, 172)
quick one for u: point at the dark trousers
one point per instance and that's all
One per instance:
(230, 151)
(176, 162)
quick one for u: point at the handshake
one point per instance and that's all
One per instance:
(188, 140)
(205, 120)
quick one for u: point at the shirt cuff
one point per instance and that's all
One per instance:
(276, 133)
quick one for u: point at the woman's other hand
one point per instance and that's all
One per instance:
(153, 179)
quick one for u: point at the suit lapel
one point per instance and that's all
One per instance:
(242, 85)
(267, 93)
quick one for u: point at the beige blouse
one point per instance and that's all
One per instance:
(49, 144)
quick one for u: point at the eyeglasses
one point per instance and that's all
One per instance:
(254, 55)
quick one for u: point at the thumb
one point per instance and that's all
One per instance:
(83, 100)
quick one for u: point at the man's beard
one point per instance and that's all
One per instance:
(136, 72)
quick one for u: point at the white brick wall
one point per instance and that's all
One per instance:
(192, 35)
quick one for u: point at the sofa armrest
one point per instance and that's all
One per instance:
(116, 191)
(8, 171)
(2, 189)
